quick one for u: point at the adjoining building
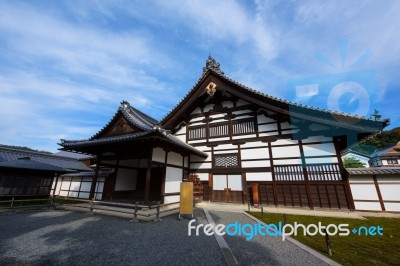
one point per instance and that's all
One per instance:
(388, 157)
(24, 172)
(241, 143)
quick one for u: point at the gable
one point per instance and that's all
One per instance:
(215, 92)
(119, 126)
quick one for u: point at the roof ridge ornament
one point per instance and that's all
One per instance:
(212, 64)
(125, 104)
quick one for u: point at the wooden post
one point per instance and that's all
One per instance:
(305, 173)
(94, 181)
(328, 243)
(274, 187)
(55, 186)
(378, 191)
(148, 177)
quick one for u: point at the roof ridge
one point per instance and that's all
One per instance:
(221, 74)
(38, 153)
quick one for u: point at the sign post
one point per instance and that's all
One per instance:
(186, 199)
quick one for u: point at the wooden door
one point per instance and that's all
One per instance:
(227, 188)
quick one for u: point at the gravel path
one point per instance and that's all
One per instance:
(262, 250)
(73, 238)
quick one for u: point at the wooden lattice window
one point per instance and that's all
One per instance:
(197, 133)
(219, 130)
(226, 160)
(243, 127)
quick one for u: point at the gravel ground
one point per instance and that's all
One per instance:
(73, 238)
(262, 250)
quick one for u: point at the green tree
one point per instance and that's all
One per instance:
(350, 162)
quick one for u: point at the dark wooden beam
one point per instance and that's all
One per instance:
(148, 176)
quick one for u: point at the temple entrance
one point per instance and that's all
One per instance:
(227, 188)
(130, 185)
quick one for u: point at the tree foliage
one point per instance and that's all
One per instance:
(350, 162)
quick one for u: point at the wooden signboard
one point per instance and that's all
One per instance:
(256, 201)
(186, 200)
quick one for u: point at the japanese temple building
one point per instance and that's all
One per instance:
(238, 141)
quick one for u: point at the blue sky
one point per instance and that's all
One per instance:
(66, 65)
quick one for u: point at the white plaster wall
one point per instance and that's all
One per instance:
(250, 164)
(73, 194)
(203, 176)
(367, 206)
(235, 182)
(196, 111)
(225, 146)
(284, 142)
(321, 160)
(195, 166)
(264, 119)
(268, 127)
(254, 153)
(254, 144)
(225, 152)
(284, 152)
(319, 149)
(241, 112)
(390, 191)
(65, 185)
(58, 186)
(392, 206)
(273, 133)
(364, 192)
(287, 161)
(265, 176)
(182, 138)
(219, 182)
(126, 179)
(218, 116)
(171, 199)
(244, 136)
(84, 195)
(175, 159)
(218, 139)
(182, 130)
(86, 186)
(208, 107)
(158, 155)
(173, 179)
(285, 125)
(75, 184)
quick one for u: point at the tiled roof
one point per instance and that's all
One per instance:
(29, 164)
(8, 154)
(374, 171)
(134, 116)
(219, 73)
(154, 132)
(89, 174)
(388, 151)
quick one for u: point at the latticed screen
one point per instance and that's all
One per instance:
(226, 160)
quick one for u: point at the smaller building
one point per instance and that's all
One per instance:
(375, 188)
(24, 172)
(388, 157)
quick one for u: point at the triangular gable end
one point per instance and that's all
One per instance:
(125, 121)
(213, 88)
